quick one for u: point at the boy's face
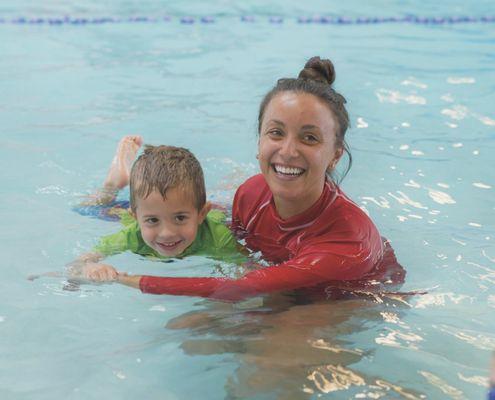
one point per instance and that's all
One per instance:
(169, 225)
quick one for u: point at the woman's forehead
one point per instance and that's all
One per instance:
(299, 108)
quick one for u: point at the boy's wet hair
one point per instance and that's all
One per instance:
(162, 168)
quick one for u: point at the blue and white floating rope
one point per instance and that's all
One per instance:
(189, 20)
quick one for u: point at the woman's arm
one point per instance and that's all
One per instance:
(129, 280)
(299, 272)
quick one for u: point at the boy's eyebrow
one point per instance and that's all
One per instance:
(175, 213)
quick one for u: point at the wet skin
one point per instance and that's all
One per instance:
(297, 145)
(169, 224)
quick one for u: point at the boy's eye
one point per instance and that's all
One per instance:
(151, 220)
(181, 218)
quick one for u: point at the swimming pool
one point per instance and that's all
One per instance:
(420, 100)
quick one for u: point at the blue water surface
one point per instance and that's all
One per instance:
(421, 101)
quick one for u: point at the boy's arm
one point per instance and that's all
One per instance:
(88, 266)
(75, 268)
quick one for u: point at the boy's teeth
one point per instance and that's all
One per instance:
(169, 244)
(288, 170)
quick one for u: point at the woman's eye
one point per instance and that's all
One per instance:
(275, 133)
(310, 138)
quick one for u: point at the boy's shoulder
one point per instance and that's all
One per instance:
(216, 217)
(126, 239)
(214, 234)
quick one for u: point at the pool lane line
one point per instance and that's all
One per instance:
(274, 19)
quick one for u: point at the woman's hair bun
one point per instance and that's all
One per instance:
(318, 70)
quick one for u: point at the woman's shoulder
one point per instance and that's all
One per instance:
(249, 197)
(253, 188)
(346, 205)
(255, 182)
(343, 228)
(347, 215)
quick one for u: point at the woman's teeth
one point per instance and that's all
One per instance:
(288, 170)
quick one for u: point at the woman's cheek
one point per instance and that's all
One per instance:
(263, 157)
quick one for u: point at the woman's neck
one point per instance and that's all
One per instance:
(287, 207)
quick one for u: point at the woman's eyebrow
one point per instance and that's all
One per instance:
(310, 127)
(276, 121)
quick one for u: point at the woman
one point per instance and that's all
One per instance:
(293, 212)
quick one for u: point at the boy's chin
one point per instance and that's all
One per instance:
(169, 253)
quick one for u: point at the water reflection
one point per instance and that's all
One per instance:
(286, 350)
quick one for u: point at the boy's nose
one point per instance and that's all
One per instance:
(166, 232)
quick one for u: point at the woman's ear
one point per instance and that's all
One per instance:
(204, 212)
(338, 155)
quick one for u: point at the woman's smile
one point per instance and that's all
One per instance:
(296, 148)
(287, 172)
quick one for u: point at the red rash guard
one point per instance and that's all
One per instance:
(334, 240)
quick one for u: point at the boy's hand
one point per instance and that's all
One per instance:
(99, 272)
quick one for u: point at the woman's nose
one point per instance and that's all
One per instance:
(289, 148)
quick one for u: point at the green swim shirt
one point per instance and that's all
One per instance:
(214, 239)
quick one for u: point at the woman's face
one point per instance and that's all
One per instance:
(297, 145)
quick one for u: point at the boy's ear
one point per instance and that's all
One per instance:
(132, 213)
(204, 212)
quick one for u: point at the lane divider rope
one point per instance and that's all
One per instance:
(190, 20)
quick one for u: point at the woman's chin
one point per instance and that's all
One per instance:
(286, 195)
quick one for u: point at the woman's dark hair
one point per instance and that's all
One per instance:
(316, 78)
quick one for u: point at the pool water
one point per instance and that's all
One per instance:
(423, 135)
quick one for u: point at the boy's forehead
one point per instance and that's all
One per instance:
(174, 198)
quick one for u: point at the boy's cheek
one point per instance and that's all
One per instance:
(192, 233)
(146, 236)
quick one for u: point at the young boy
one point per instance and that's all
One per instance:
(169, 214)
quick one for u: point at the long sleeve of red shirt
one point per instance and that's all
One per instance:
(332, 241)
(307, 271)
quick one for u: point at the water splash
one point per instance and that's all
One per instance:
(440, 197)
(411, 81)
(460, 80)
(395, 97)
(442, 385)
